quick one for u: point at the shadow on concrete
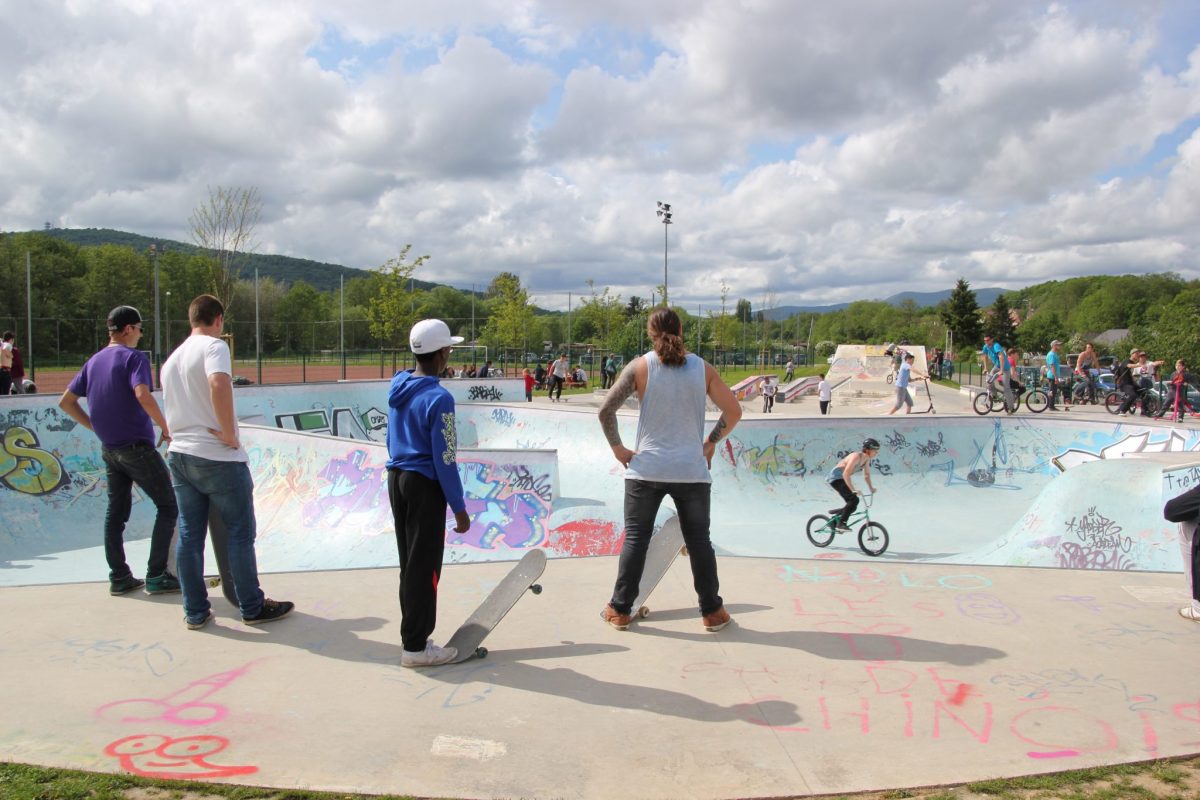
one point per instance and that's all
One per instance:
(572, 685)
(846, 646)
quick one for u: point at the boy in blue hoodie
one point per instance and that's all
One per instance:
(422, 481)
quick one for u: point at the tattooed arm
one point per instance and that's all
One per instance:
(621, 391)
(731, 411)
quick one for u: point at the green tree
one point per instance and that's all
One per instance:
(1035, 334)
(998, 320)
(602, 316)
(307, 319)
(960, 313)
(511, 313)
(392, 309)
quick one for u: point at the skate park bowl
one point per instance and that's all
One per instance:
(1022, 620)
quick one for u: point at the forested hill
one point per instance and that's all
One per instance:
(285, 269)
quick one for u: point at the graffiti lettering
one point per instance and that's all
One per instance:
(895, 441)
(504, 417)
(484, 393)
(25, 467)
(1099, 532)
(1074, 556)
(932, 448)
(520, 478)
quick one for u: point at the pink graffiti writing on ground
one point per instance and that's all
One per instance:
(184, 707)
(152, 755)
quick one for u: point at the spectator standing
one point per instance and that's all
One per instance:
(6, 362)
(1126, 382)
(486, 370)
(209, 468)
(539, 377)
(789, 371)
(824, 394)
(558, 376)
(610, 371)
(671, 457)
(528, 385)
(422, 481)
(1053, 384)
(18, 370)
(121, 411)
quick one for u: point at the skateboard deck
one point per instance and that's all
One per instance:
(665, 547)
(220, 545)
(470, 635)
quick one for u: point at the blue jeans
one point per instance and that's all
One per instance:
(642, 501)
(228, 487)
(137, 463)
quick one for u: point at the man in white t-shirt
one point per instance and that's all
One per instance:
(558, 376)
(209, 468)
(824, 394)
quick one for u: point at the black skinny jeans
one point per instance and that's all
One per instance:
(137, 463)
(642, 501)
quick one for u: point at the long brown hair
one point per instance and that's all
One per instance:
(666, 331)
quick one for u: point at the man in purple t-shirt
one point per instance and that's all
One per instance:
(116, 382)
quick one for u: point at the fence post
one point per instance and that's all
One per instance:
(303, 367)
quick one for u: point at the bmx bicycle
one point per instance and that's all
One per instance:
(992, 399)
(872, 536)
(1144, 396)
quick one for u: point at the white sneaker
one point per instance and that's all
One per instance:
(431, 656)
(1189, 612)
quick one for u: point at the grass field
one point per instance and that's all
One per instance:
(1159, 780)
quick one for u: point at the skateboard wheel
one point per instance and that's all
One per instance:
(644, 612)
(214, 582)
(481, 652)
(536, 588)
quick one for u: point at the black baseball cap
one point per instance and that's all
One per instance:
(121, 316)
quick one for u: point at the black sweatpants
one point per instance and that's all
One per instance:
(850, 497)
(419, 515)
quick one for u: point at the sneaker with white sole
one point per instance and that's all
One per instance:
(1190, 612)
(431, 656)
(200, 623)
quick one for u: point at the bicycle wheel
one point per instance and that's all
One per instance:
(890, 377)
(1037, 400)
(1113, 401)
(820, 530)
(873, 538)
(982, 403)
(1151, 405)
(1079, 394)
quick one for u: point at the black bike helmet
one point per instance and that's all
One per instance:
(870, 444)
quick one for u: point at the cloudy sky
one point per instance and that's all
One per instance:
(813, 151)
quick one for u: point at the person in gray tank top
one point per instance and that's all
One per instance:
(671, 456)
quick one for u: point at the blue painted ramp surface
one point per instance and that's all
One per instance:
(1037, 491)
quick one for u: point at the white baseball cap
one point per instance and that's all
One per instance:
(431, 335)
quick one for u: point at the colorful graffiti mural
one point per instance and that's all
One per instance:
(966, 490)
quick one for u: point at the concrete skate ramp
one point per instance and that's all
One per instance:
(951, 489)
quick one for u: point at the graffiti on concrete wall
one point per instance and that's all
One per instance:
(25, 466)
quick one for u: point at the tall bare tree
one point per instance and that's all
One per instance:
(224, 224)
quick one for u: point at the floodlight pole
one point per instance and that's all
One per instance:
(664, 215)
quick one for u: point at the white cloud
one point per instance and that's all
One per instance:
(914, 142)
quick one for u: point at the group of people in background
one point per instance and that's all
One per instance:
(12, 368)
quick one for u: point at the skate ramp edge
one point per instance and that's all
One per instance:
(1104, 514)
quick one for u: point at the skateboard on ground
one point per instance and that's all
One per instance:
(470, 635)
(665, 547)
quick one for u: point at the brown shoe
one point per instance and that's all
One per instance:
(612, 617)
(717, 619)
